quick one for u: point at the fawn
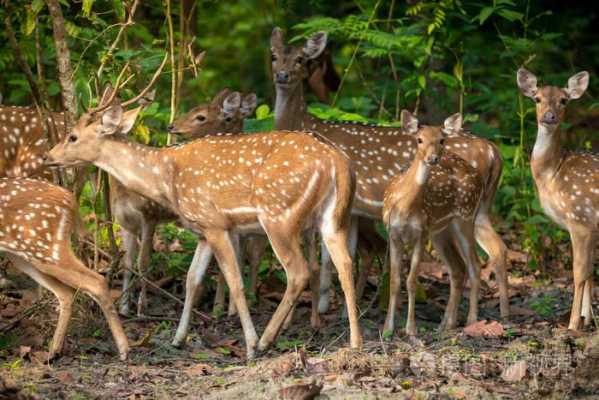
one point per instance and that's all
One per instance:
(438, 195)
(567, 183)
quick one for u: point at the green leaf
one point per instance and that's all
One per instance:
(510, 15)
(447, 79)
(484, 14)
(422, 81)
(87, 7)
(262, 112)
(119, 9)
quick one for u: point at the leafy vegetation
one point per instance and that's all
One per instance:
(434, 57)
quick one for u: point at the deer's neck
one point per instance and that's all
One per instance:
(547, 152)
(138, 168)
(413, 183)
(290, 107)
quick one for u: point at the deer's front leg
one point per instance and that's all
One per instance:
(145, 251)
(395, 255)
(412, 283)
(223, 248)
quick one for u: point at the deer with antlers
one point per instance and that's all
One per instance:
(281, 183)
(379, 153)
(567, 183)
(36, 223)
(138, 216)
(438, 195)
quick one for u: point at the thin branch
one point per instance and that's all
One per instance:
(171, 41)
(116, 41)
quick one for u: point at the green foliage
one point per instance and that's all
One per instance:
(436, 57)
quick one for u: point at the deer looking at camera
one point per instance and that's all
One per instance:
(438, 195)
(139, 216)
(37, 220)
(567, 183)
(282, 183)
(379, 153)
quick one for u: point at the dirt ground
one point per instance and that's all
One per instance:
(530, 356)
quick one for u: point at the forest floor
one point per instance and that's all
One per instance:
(531, 356)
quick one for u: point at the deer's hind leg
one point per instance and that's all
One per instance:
(73, 273)
(463, 233)
(63, 293)
(287, 248)
(582, 249)
(444, 245)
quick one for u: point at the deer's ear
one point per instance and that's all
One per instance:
(128, 120)
(577, 85)
(111, 120)
(276, 39)
(232, 103)
(453, 124)
(527, 82)
(315, 45)
(248, 105)
(220, 97)
(409, 123)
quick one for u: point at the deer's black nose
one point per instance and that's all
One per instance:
(282, 77)
(549, 117)
(45, 158)
(170, 128)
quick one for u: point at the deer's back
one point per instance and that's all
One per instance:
(36, 218)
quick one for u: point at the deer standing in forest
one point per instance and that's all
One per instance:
(281, 183)
(138, 216)
(437, 196)
(567, 183)
(37, 220)
(379, 153)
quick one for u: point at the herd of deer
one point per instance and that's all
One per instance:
(308, 178)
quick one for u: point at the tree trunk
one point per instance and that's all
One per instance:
(63, 57)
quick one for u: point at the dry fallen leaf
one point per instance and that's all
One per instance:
(482, 328)
(515, 372)
(199, 369)
(64, 376)
(24, 351)
(431, 269)
(301, 392)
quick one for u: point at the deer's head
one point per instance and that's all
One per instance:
(224, 114)
(551, 101)
(290, 63)
(84, 143)
(430, 139)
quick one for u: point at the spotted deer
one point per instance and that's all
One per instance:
(37, 220)
(379, 153)
(24, 141)
(437, 196)
(567, 183)
(278, 182)
(138, 216)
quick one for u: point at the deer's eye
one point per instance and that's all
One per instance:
(537, 99)
(228, 119)
(201, 118)
(419, 141)
(441, 142)
(72, 138)
(563, 101)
